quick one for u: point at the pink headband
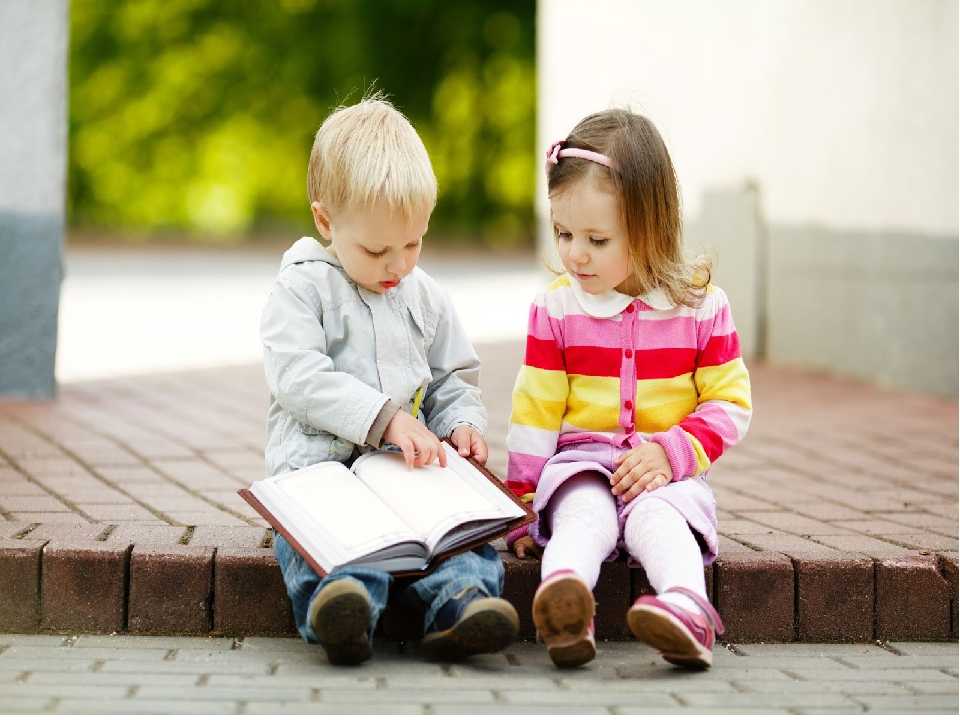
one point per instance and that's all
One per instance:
(556, 152)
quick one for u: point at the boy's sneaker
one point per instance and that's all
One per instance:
(683, 637)
(340, 618)
(471, 623)
(563, 609)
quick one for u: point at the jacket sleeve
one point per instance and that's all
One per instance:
(302, 377)
(724, 408)
(539, 402)
(453, 396)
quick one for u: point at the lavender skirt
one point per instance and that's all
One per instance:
(692, 497)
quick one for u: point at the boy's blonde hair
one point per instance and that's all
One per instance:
(369, 152)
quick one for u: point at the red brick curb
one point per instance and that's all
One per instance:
(20, 585)
(171, 590)
(83, 585)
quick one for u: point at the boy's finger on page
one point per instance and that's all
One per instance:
(409, 451)
(423, 454)
(442, 455)
(480, 451)
(433, 453)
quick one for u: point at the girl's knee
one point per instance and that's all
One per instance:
(652, 508)
(584, 494)
(605, 531)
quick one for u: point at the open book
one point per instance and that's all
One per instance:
(381, 514)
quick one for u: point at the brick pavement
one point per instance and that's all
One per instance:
(838, 514)
(256, 675)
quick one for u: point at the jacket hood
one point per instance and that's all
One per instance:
(307, 249)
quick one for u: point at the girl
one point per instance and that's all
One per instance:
(632, 385)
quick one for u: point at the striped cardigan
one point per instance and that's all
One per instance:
(651, 370)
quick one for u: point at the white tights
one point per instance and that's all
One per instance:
(582, 517)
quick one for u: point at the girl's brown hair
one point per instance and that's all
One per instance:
(643, 179)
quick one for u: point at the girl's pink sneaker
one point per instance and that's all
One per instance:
(682, 637)
(563, 614)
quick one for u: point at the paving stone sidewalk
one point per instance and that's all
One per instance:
(838, 514)
(255, 675)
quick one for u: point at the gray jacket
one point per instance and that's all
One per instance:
(340, 359)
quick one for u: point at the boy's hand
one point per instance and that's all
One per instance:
(468, 441)
(420, 446)
(642, 469)
(526, 547)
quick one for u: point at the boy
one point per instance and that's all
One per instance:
(361, 347)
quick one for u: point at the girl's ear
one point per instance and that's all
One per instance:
(321, 218)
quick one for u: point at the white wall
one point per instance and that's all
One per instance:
(33, 166)
(844, 111)
(33, 106)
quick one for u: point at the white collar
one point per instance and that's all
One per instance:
(611, 303)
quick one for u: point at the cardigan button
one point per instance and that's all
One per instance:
(628, 405)
(630, 307)
(628, 353)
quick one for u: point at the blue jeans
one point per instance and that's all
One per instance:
(480, 568)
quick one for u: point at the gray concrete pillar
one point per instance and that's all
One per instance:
(730, 229)
(33, 159)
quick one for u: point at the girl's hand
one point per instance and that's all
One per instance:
(468, 441)
(526, 547)
(420, 446)
(642, 469)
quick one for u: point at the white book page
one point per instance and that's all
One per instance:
(332, 514)
(432, 500)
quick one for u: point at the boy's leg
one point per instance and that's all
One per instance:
(350, 600)
(463, 613)
(480, 569)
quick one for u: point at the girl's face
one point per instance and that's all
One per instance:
(376, 246)
(591, 236)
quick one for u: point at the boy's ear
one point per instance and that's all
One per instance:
(321, 218)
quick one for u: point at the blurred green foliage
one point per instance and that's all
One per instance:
(198, 115)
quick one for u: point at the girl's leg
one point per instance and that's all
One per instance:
(582, 517)
(682, 627)
(658, 537)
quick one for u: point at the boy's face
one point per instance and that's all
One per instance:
(591, 236)
(377, 246)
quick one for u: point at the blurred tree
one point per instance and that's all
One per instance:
(198, 115)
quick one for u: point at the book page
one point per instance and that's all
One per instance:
(334, 516)
(432, 500)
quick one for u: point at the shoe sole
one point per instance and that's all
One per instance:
(574, 655)
(562, 612)
(341, 625)
(662, 631)
(488, 625)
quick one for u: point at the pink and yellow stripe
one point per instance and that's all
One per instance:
(692, 390)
